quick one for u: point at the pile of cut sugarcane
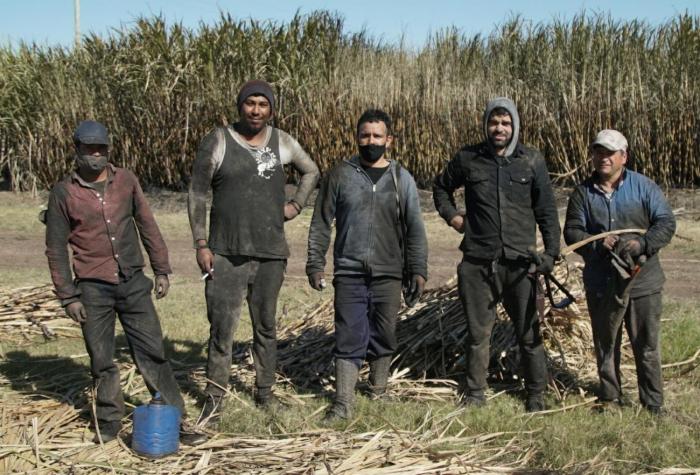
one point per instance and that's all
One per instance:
(432, 335)
(431, 339)
(45, 436)
(44, 425)
(31, 311)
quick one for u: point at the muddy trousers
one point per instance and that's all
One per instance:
(482, 284)
(239, 278)
(365, 317)
(131, 302)
(642, 319)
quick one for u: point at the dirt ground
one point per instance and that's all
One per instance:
(23, 243)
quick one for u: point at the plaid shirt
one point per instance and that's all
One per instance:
(101, 231)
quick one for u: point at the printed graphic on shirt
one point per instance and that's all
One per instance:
(267, 161)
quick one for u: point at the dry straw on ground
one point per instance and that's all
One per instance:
(43, 431)
(31, 311)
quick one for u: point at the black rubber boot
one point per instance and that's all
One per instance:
(108, 431)
(345, 379)
(472, 400)
(534, 403)
(379, 376)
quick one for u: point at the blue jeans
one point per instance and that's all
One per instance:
(365, 316)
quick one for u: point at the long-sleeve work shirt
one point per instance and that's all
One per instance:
(505, 198)
(101, 229)
(637, 202)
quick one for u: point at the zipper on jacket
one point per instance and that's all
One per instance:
(371, 218)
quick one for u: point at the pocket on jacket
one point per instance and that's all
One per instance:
(477, 184)
(520, 185)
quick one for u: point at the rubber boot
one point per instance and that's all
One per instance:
(535, 402)
(345, 379)
(378, 376)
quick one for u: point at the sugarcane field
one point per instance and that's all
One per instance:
(333, 254)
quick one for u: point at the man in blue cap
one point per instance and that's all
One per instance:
(100, 211)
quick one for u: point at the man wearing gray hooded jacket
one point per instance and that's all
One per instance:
(507, 194)
(369, 197)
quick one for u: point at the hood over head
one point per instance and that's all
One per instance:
(509, 105)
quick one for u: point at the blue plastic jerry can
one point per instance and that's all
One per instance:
(156, 429)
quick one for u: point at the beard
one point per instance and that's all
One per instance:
(500, 143)
(246, 128)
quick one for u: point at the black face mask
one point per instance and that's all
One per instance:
(371, 152)
(91, 164)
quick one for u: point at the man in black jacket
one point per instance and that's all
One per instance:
(366, 195)
(507, 193)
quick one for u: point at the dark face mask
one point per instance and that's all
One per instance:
(371, 152)
(91, 164)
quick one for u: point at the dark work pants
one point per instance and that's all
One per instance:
(365, 317)
(237, 278)
(482, 284)
(131, 302)
(642, 319)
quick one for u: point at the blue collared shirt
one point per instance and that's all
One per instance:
(636, 202)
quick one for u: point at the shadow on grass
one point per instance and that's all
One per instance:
(62, 378)
(305, 361)
(67, 379)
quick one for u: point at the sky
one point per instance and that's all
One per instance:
(50, 22)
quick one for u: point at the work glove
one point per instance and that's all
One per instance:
(317, 281)
(545, 265)
(632, 247)
(162, 286)
(76, 311)
(415, 290)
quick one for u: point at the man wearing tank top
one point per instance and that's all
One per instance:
(245, 253)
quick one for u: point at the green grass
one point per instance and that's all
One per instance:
(621, 442)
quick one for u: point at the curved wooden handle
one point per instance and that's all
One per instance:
(569, 249)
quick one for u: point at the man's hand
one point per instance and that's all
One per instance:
(205, 261)
(76, 311)
(458, 223)
(415, 290)
(317, 281)
(546, 265)
(162, 286)
(632, 247)
(610, 241)
(290, 211)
